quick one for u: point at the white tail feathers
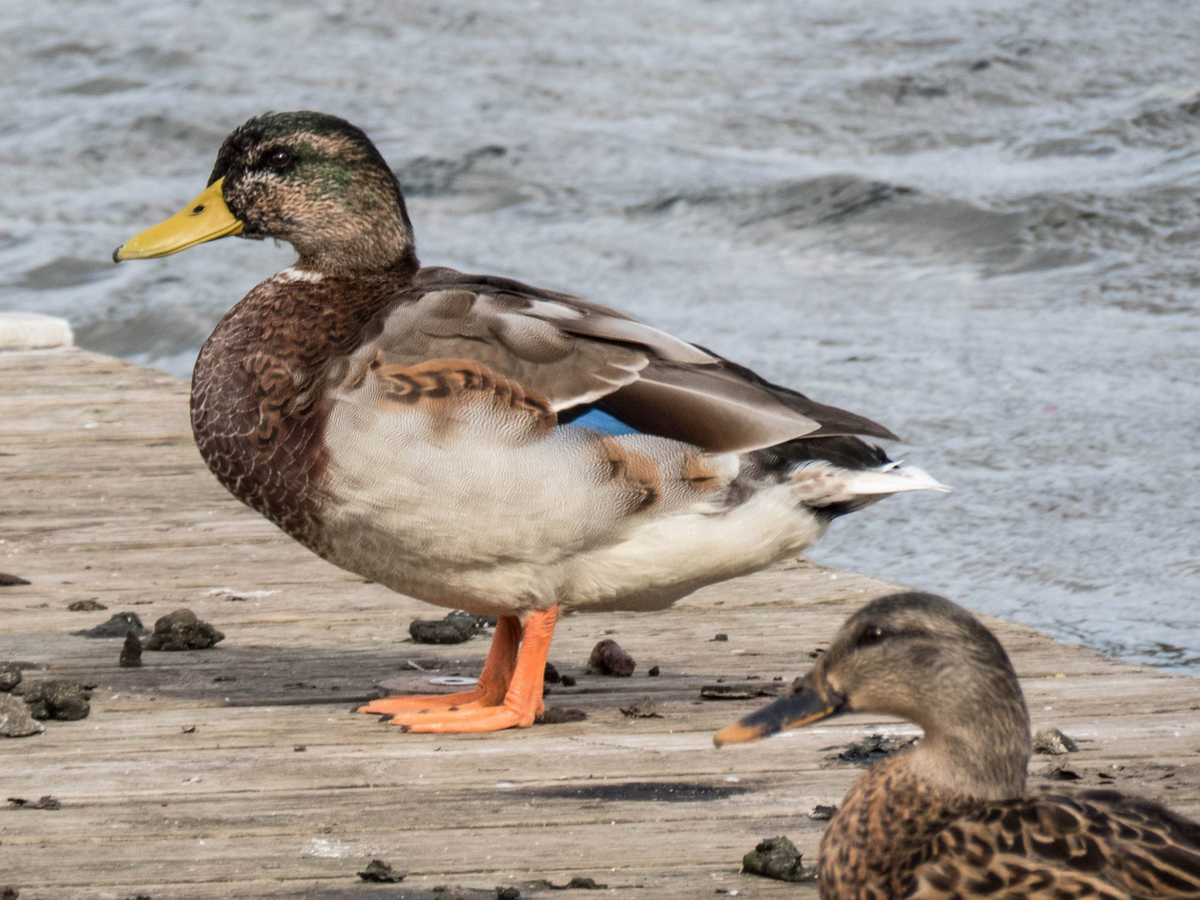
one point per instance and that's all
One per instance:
(820, 483)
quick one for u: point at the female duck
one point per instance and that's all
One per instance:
(478, 443)
(950, 818)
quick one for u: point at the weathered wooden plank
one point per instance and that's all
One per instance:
(185, 782)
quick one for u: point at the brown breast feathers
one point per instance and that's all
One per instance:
(881, 833)
(259, 405)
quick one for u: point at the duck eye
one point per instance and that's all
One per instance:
(279, 159)
(872, 634)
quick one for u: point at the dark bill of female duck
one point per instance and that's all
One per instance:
(206, 218)
(812, 698)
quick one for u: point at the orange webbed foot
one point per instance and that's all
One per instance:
(392, 706)
(493, 681)
(465, 721)
(521, 702)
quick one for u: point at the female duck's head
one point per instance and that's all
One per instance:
(928, 661)
(307, 178)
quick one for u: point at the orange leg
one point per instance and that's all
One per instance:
(522, 702)
(490, 691)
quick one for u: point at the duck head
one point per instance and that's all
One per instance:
(307, 178)
(926, 660)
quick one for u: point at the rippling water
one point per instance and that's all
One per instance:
(974, 221)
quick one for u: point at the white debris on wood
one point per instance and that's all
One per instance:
(33, 331)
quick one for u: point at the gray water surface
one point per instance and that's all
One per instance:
(976, 222)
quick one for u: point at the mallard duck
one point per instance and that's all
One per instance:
(478, 443)
(950, 818)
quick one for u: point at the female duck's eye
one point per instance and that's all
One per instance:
(279, 159)
(872, 634)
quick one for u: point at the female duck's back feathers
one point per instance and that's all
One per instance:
(1086, 844)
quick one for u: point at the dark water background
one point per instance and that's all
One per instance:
(974, 221)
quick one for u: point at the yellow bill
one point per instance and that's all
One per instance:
(204, 219)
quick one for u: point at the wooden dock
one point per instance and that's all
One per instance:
(239, 772)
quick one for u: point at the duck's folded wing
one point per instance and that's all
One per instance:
(574, 354)
(1050, 845)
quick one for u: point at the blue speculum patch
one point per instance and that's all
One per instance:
(601, 421)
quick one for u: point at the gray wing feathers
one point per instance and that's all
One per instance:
(572, 352)
(540, 355)
(706, 407)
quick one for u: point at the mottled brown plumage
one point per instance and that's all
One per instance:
(259, 392)
(950, 819)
